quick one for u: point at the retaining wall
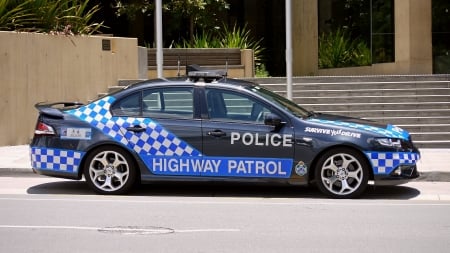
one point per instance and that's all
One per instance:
(39, 67)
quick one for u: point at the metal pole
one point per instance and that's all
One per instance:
(289, 49)
(159, 46)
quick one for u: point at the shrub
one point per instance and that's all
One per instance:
(49, 16)
(228, 38)
(337, 50)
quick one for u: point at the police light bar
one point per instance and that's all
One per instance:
(207, 73)
(196, 72)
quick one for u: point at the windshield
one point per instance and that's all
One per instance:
(285, 103)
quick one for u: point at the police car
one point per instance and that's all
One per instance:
(207, 127)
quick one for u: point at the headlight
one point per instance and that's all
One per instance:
(388, 142)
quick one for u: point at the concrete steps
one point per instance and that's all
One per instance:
(419, 104)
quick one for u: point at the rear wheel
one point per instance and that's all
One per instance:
(110, 170)
(342, 173)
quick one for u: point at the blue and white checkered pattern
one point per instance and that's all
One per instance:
(56, 159)
(154, 141)
(386, 162)
(97, 114)
(390, 131)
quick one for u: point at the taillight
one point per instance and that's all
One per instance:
(44, 129)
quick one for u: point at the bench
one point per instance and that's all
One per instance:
(240, 63)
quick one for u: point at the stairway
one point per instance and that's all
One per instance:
(419, 104)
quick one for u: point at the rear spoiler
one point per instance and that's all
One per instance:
(54, 109)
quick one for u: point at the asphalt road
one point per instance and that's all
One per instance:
(41, 214)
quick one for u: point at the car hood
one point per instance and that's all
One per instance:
(386, 130)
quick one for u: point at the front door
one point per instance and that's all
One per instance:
(236, 135)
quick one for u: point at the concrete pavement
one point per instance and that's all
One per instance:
(433, 166)
(15, 159)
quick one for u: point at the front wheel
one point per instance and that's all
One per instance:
(342, 173)
(109, 170)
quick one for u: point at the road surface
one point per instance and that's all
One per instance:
(41, 214)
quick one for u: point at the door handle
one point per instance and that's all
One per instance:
(305, 141)
(136, 129)
(217, 133)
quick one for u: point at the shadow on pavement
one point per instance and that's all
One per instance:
(63, 187)
(224, 190)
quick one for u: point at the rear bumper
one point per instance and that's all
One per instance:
(56, 162)
(59, 174)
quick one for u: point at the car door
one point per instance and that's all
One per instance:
(234, 133)
(159, 125)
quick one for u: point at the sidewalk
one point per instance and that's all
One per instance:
(15, 159)
(433, 166)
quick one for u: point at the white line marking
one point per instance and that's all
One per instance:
(206, 230)
(123, 230)
(49, 227)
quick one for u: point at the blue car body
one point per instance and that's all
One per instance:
(210, 129)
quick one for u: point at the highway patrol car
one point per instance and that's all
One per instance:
(209, 127)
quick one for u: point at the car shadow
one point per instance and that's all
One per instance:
(183, 189)
(62, 187)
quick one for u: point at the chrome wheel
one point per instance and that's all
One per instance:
(109, 171)
(342, 174)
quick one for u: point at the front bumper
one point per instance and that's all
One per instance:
(401, 175)
(391, 168)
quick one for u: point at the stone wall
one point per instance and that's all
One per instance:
(49, 68)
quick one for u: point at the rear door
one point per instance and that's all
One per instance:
(159, 125)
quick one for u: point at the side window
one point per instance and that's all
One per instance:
(174, 102)
(128, 106)
(232, 106)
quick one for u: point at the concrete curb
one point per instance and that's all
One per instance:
(434, 176)
(16, 172)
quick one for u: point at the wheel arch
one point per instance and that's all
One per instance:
(311, 175)
(136, 162)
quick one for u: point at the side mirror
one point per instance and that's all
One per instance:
(271, 119)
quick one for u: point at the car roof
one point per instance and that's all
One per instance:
(177, 81)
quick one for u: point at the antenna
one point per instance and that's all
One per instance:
(226, 68)
(178, 66)
(186, 62)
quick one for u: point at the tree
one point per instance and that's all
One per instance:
(201, 14)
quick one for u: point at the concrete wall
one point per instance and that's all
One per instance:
(38, 67)
(413, 44)
(245, 68)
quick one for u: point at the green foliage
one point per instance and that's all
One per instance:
(240, 38)
(202, 12)
(261, 71)
(49, 16)
(227, 38)
(337, 50)
(203, 40)
(13, 15)
(198, 14)
(123, 8)
(186, 8)
(361, 54)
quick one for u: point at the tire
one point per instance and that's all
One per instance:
(342, 173)
(110, 170)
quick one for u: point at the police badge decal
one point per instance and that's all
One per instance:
(301, 169)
